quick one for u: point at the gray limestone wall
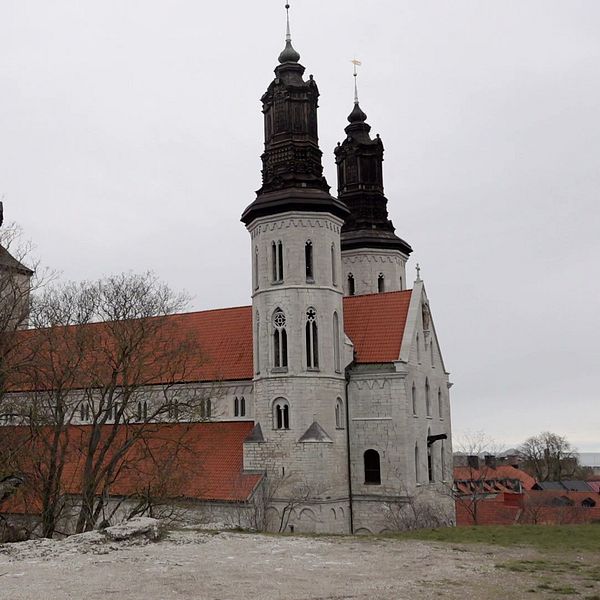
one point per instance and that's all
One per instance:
(366, 265)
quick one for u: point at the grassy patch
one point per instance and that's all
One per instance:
(544, 537)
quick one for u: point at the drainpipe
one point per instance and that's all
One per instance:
(350, 499)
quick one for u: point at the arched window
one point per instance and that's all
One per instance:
(440, 404)
(372, 467)
(417, 465)
(277, 260)
(116, 412)
(351, 289)
(427, 398)
(256, 284)
(401, 284)
(82, 412)
(430, 464)
(208, 408)
(431, 352)
(312, 340)
(381, 283)
(339, 414)
(176, 409)
(87, 412)
(239, 407)
(414, 398)
(139, 411)
(281, 414)
(145, 411)
(333, 269)
(279, 340)
(308, 260)
(205, 409)
(257, 343)
(336, 343)
(418, 348)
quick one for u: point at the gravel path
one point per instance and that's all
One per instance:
(230, 566)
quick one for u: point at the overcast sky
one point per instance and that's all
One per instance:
(130, 136)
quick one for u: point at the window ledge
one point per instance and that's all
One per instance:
(429, 417)
(310, 280)
(277, 282)
(372, 483)
(279, 370)
(313, 369)
(415, 416)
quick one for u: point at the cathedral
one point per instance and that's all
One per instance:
(334, 391)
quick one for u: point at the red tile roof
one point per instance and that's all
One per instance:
(200, 461)
(375, 323)
(221, 341)
(490, 474)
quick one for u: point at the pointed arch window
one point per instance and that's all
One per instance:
(333, 269)
(440, 404)
(145, 411)
(281, 414)
(277, 261)
(372, 467)
(280, 359)
(401, 283)
(256, 280)
(308, 261)
(339, 414)
(312, 339)
(427, 398)
(139, 411)
(418, 348)
(351, 287)
(414, 398)
(336, 343)
(239, 407)
(381, 283)
(432, 354)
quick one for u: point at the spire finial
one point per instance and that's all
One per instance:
(356, 63)
(418, 272)
(288, 33)
(288, 54)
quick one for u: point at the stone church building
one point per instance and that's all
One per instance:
(332, 383)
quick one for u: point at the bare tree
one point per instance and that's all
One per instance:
(473, 489)
(549, 457)
(109, 353)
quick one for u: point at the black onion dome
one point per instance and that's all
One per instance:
(289, 54)
(357, 115)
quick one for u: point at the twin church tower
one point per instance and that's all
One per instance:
(336, 429)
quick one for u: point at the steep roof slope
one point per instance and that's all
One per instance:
(200, 461)
(223, 339)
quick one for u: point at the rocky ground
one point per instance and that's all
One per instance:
(228, 566)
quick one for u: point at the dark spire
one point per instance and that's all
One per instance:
(359, 159)
(292, 173)
(288, 54)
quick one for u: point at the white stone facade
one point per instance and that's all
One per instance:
(374, 271)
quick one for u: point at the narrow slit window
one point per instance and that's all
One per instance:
(414, 399)
(312, 340)
(280, 261)
(351, 289)
(381, 283)
(308, 259)
(336, 342)
(427, 398)
(333, 269)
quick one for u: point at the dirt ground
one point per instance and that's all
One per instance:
(230, 566)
